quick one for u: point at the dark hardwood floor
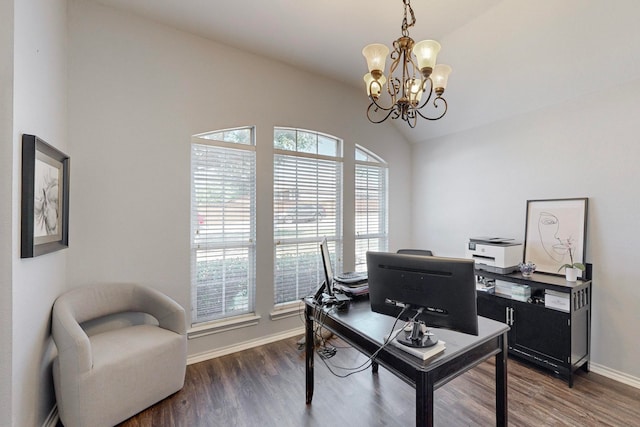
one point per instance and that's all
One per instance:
(264, 387)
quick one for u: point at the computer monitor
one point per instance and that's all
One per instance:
(328, 271)
(434, 291)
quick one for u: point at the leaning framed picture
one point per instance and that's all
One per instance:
(555, 233)
(45, 198)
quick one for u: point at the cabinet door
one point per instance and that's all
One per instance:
(543, 331)
(492, 307)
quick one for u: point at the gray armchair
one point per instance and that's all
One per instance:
(104, 378)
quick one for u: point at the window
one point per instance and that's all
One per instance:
(223, 224)
(307, 207)
(371, 206)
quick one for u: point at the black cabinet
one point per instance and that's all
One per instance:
(551, 327)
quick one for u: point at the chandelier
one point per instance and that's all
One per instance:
(417, 77)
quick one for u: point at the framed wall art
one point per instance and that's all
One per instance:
(45, 198)
(555, 233)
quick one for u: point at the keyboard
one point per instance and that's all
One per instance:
(351, 277)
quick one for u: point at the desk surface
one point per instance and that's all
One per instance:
(362, 322)
(366, 330)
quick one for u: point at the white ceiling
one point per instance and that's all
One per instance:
(508, 56)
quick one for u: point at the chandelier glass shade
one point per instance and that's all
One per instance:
(413, 80)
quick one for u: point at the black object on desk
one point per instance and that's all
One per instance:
(365, 330)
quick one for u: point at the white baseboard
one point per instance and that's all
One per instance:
(201, 357)
(52, 418)
(614, 375)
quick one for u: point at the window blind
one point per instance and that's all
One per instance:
(371, 206)
(223, 218)
(307, 208)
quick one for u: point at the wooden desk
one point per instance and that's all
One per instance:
(365, 331)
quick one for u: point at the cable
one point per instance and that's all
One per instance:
(326, 352)
(367, 363)
(320, 316)
(322, 310)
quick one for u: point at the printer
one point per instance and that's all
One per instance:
(495, 254)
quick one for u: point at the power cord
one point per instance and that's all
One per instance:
(323, 308)
(367, 363)
(327, 352)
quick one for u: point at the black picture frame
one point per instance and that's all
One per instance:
(549, 223)
(45, 198)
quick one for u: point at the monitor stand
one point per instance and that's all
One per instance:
(417, 337)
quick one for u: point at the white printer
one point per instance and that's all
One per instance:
(496, 254)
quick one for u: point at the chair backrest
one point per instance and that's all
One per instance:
(90, 303)
(423, 252)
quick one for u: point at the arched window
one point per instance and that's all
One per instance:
(371, 206)
(307, 206)
(223, 224)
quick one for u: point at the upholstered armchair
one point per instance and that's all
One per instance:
(105, 377)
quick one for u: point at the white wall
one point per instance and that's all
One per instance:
(6, 180)
(39, 107)
(137, 92)
(477, 183)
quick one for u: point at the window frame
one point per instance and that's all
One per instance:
(335, 239)
(200, 324)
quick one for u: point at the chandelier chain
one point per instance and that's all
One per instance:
(406, 24)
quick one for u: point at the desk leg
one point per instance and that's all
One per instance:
(308, 350)
(502, 410)
(424, 400)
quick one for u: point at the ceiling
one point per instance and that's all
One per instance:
(508, 56)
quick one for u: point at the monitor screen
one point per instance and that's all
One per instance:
(440, 291)
(328, 271)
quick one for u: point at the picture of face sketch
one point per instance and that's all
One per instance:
(556, 244)
(555, 233)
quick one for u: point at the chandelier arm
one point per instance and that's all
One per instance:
(380, 107)
(405, 76)
(373, 98)
(436, 106)
(396, 85)
(412, 123)
(374, 105)
(396, 61)
(411, 117)
(424, 91)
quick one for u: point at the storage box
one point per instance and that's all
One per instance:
(557, 300)
(503, 288)
(521, 292)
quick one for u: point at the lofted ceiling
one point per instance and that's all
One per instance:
(508, 56)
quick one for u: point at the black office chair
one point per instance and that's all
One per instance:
(423, 252)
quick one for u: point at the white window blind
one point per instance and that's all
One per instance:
(223, 218)
(371, 206)
(307, 208)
